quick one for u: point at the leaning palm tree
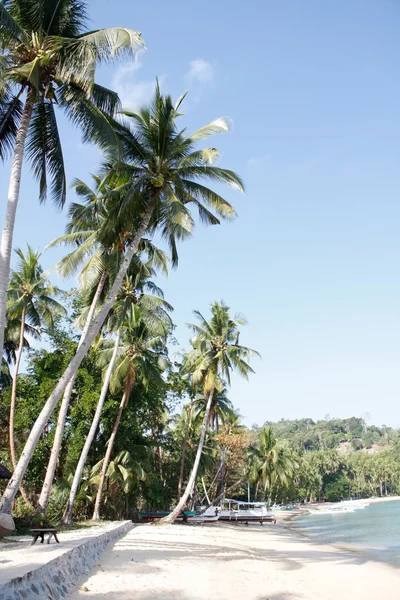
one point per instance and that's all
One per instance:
(47, 59)
(138, 359)
(187, 421)
(162, 177)
(31, 297)
(216, 352)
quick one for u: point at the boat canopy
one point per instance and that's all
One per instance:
(243, 503)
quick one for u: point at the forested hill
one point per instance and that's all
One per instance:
(345, 435)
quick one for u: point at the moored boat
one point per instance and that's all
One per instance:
(245, 512)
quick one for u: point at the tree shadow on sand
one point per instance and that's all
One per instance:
(147, 557)
(174, 595)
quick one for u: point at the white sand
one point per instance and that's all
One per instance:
(234, 562)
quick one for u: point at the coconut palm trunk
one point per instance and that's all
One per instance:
(72, 368)
(62, 416)
(14, 390)
(189, 487)
(67, 517)
(11, 210)
(205, 490)
(13, 402)
(184, 448)
(124, 401)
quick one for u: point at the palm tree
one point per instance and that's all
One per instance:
(216, 352)
(47, 59)
(31, 297)
(272, 464)
(138, 359)
(165, 170)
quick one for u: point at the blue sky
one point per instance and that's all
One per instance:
(313, 92)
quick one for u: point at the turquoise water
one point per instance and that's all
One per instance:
(375, 529)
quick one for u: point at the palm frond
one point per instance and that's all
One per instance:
(9, 28)
(45, 152)
(214, 174)
(220, 125)
(113, 42)
(11, 109)
(96, 126)
(106, 100)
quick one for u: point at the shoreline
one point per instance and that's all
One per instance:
(289, 519)
(383, 499)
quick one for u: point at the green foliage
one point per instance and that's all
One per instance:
(336, 487)
(272, 464)
(25, 518)
(57, 502)
(306, 434)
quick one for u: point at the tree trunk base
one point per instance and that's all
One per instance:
(7, 525)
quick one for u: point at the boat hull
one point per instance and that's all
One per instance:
(202, 519)
(248, 518)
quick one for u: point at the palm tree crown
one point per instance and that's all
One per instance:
(272, 464)
(47, 56)
(143, 335)
(216, 350)
(163, 172)
(221, 409)
(31, 293)
(94, 259)
(30, 298)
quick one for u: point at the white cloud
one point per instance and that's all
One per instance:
(132, 91)
(258, 161)
(201, 71)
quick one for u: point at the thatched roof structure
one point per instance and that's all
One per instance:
(4, 473)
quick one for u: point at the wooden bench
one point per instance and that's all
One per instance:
(40, 533)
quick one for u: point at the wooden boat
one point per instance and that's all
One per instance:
(188, 516)
(245, 512)
(149, 517)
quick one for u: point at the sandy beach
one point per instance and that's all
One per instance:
(234, 562)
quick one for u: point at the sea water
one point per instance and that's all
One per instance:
(375, 529)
